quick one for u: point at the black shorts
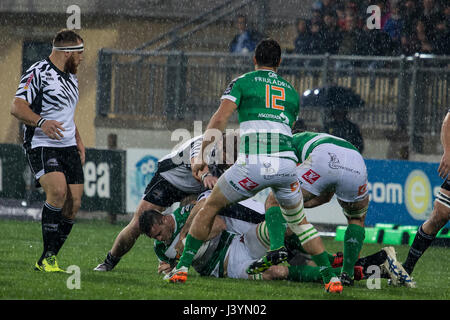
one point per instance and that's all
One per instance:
(43, 160)
(446, 185)
(162, 193)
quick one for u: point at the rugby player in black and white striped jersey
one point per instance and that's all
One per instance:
(45, 102)
(173, 182)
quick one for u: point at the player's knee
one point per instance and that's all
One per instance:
(271, 201)
(57, 195)
(440, 215)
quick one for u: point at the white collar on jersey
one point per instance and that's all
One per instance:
(78, 47)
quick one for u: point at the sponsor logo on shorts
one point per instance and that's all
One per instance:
(248, 184)
(362, 189)
(234, 185)
(335, 164)
(52, 162)
(311, 176)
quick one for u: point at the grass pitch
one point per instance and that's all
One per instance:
(135, 277)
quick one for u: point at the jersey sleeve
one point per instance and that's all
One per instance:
(160, 248)
(29, 85)
(233, 92)
(195, 148)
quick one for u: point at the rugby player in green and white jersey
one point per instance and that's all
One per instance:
(234, 243)
(267, 107)
(333, 166)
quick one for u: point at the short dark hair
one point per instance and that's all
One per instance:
(299, 126)
(268, 53)
(148, 219)
(66, 36)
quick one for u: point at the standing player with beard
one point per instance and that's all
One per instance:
(45, 102)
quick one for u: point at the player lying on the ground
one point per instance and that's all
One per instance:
(328, 166)
(233, 244)
(172, 182)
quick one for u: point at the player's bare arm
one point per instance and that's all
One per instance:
(22, 111)
(444, 166)
(219, 122)
(80, 146)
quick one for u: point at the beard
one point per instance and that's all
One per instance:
(70, 66)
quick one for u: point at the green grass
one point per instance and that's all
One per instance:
(136, 278)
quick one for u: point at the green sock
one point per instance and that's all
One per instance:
(322, 261)
(307, 273)
(276, 227)
(330, 257)
(190, 250)
(304, 273)
(353, 241)
(293, 242)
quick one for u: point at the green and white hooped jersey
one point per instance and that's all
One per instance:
(166, 252)
(267, 107)
(305, 142)
(211, 258)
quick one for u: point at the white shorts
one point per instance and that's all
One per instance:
(333, 168)
(242, 252)
(251, 174)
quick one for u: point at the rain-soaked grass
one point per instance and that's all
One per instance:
(136, 278)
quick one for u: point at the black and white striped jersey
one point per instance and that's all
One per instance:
(175, 167)
(53, 95)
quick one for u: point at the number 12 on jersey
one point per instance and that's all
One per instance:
(273, 97)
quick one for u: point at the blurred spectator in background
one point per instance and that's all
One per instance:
(340, 13)
(316, 17)
(407, 27)
(316, 45)
(351, 43)
(393, 27)
(331, 33)
(246, 39)
(410, 15)
(303, 40)
(341, 127)
(424, 43)
(441, 41)
(431, 14)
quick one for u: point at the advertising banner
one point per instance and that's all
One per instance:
(401, 192)
(140, 169)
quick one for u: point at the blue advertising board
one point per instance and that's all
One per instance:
(401, 192)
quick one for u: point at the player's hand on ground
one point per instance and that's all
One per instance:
(164, 267)
(444, 166)
(53, 129)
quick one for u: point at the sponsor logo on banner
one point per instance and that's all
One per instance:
(418, 195)
(248, 184)
(311, 176)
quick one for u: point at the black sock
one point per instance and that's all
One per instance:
(65, 226)
(375, 259)
(111, 260)
(51, 217)
(421, 243)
